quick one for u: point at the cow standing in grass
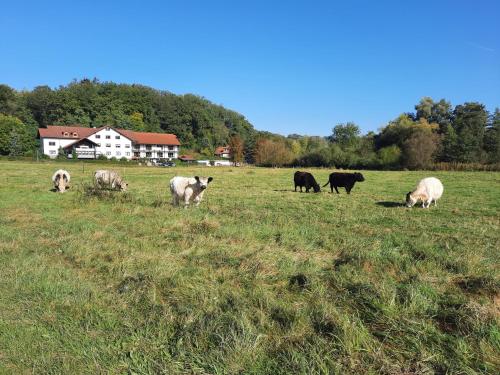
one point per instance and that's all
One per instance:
(305, 179)
(188, 189)
(61, 180)
(104, 179)
(345, 180)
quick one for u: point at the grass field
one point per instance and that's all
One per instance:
(258, 279)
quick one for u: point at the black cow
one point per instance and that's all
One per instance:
(346, 180)
(307, 180)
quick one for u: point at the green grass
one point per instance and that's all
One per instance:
(258, 279)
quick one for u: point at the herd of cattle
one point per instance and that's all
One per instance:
(191, 189)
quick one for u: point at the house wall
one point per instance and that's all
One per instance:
(51, 146)
(156, 151)
(116, 145)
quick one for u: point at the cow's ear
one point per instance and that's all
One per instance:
(65, 178)
(197, 178)
(58, 177)
(209, 179)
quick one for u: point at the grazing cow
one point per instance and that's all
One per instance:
(428, 189)
(305, 179)
(345, 180)
(104, 179)
(188, 189)
(61, 180)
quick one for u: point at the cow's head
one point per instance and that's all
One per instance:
(410, 200)
(203, 181)
(61, 182)
(359, 177)
(123, 185)
(316, 188)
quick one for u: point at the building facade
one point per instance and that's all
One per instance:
(223, 152)
(91, 143)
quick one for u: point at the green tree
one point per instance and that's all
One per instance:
(346, 135)
(389, 156)
(492, 138)
(136, 121)
(15, 136)
(470, 121)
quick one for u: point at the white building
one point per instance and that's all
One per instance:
(223, 152)
(90, 143)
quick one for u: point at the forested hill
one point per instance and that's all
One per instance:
(196, 121)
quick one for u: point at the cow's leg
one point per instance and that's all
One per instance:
(348, 189)
(301, 188)
(295, 187)
(198, 198)
(331, 188)
(187, 197)
(175, 199)
(337, 190)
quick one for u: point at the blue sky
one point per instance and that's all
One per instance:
(288, 66)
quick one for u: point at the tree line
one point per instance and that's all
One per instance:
(435, 132)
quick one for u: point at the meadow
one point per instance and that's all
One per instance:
(257, 280)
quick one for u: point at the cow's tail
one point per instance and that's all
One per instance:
(326, 183)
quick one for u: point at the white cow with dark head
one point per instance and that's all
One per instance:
(60, 179)
(188, 189)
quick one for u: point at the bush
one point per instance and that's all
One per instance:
(389, 156)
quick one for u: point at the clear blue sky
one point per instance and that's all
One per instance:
(288, 66)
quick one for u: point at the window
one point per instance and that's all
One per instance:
(148, 154)
(170, 148)
(98, 144)
(118, 145)
(52, 152)
(148, 147)
(108, 137)
(137, 154)
(160, 146)
(170, 154)
(108, 153)
(127, 146)
(108, 144)
(117, 137)
(160, 154)
(98, 136)
(107, 128)
(66, 134)
(127, 153)
(118, 153)
(52, 143)
(75, 134)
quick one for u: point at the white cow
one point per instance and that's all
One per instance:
(110, 180)
(61, 179)
(428, 189)
(188, 189)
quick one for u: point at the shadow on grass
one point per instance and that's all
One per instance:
(390, 204)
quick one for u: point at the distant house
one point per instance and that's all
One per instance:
(223, 152)
(187, 158)
(90, 143)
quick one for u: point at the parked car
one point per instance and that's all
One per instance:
(166, 164)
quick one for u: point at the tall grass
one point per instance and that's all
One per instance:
(258, 279)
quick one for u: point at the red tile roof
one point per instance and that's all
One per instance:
(83, 132)
(58, 132)
(222, 150)
(186, 158)
(150, 138)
